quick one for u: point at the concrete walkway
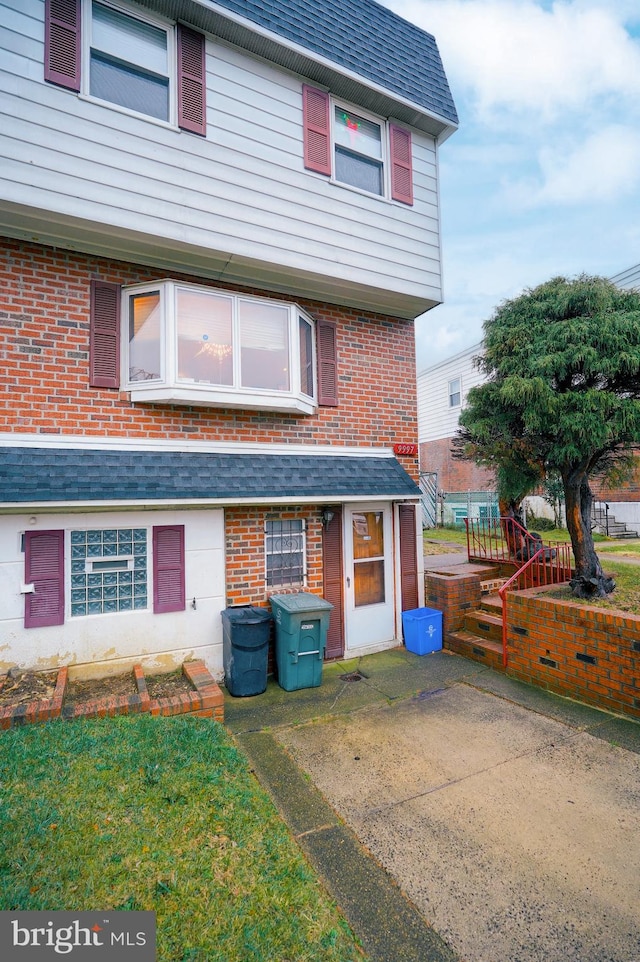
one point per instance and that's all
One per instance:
(454, 813)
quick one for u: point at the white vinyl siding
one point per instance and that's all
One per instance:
(437, 418)
(237, 204)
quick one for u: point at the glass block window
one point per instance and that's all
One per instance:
(108, 570)
(285, 552)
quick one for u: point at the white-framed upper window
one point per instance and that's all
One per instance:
(209, 347)
(359, 144)
(455, 395)
(356, 149)
(128, 60)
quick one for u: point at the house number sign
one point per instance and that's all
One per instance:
(411, 449)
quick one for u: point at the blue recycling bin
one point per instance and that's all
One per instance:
(422, 630)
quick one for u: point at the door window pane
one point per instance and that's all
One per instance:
(145, 325)
(205, 337)
(368, 557)
(264, 345)
(368, 583)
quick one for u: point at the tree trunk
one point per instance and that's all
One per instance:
(511, 532)
(589, 580)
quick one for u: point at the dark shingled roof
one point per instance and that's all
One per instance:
(40, 475)
(364, 37)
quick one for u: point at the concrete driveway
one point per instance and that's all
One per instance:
(509, 817)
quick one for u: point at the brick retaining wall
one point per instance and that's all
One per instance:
(588, 653)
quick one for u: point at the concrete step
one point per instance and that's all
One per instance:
(484, 625)
(482, 650)
(492, 604)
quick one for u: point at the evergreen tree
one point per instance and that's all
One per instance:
(562, 394)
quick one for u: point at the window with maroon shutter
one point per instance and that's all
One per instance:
(168, 568)
(62, 20)
(327, 364)
(44, 568)
(104, 337)
(333, 583)
(408, 557)
(317, 130)
(192, 85)
(401, 164)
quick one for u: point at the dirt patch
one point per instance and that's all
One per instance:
(28, 686)
(114, 686)
(168, 684)
(435, 548)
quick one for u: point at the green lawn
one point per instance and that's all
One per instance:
(626, 596)
(161, 814)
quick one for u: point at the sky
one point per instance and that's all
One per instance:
(542, 178)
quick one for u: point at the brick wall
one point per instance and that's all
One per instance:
(628, 492)
(245, 552)
(454, 595)
(588, 653)
(44, 348)
(453, 475)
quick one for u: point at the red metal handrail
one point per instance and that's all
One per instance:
(549, 564)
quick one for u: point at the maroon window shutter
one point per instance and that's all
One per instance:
(408, 558)
(168, 568)
(327, 364)
(62, 43)
(401, 164)
(317, 130)
(104, 337)
(44, 568)
(192, 81)
(333, 580)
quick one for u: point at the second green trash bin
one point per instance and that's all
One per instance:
(302, 622)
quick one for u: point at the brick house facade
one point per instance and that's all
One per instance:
(201, 392)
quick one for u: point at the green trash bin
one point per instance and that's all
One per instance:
(302, 622)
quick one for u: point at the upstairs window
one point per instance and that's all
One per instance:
(200, 346)
(129, 62)
(454, 393)
(138, 63)
(357, 149)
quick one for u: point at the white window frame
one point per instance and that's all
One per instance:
(384, 146)
(452, 393)
(170, 388)
(154, 21)
(302, 533)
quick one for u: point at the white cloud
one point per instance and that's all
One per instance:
(603, 168)
(514, 55)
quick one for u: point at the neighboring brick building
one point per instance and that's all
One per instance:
(213, 253)
(442, 390)
(468, 489)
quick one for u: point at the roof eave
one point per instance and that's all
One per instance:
(270, 46)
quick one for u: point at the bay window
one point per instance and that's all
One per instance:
(200, 346)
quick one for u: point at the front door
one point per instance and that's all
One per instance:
(369, 575)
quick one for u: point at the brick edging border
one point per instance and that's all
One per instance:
(206, 701)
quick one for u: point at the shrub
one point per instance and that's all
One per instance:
(540, 524)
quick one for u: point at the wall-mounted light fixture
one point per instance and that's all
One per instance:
(327, 517)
